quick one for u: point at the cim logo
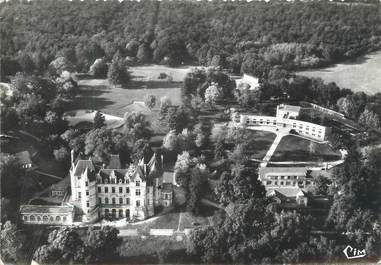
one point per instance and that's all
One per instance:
(353, 253)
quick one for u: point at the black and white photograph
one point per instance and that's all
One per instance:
(190, 132)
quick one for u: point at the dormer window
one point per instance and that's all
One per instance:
(120, 181)
(106, 181)
(137, 183)
(127, 181)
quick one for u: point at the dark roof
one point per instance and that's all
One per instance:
(46, 209)
(82, 165)
(280, 170)
(114, 162)
(289, 108)
(283, 193)
(167, 187)
(23, 157)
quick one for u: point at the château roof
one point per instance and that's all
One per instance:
(285, 192)
(82, 165)
(41, 209)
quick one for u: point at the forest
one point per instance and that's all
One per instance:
(229, 35)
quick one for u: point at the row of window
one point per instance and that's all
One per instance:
(285, 177)
(120, 201)
(287, 183)
(307, 128)
(113, 189)
(44, 218)
(120, 181)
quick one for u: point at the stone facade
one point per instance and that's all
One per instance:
(117, 192)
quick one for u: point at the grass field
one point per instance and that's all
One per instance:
(360, 75)
(260, 141)
(292, 148)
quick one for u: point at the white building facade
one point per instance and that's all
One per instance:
(285, 119)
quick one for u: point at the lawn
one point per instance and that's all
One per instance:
(96, 94)
(260, 141)
(135, 247)
(292, 148)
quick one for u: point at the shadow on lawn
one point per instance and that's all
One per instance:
(134, 84)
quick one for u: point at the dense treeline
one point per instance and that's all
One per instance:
(225, 34)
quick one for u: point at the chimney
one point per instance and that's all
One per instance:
(162, 161)
(72, 156)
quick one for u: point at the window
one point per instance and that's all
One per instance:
(87, 193)
(288, 177)
(51, 219)
(106, 200)
(127, 201)
(166, 196)
(127, 181)
(79, 195)
(276, 183)
(308, 183)
(268, 182)
(106, 189)
(87, 204)
(138, 203)
(120, 181)
(45, 218)
(281, 177)
(38, 218)
(148, 202)
(120, 190)
(100, 200)
(106, 181)
(120, 200)
(137, 192)
(87, 183)
(137, 183)
(282, 183)
(64, 219)
(113, 201)
(113, 189)
(288, 183)
(25, 218)
(127, 190)
(99, 189)
(32, 218)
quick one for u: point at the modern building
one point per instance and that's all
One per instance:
(285, 119)
(287, 185)
(47, 214)
(118, 192)
(278, 177)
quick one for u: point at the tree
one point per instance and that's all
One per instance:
(212, 94)
(321, 185)
(142, 149)
(99, 68)
(347, 106)
(63, 246)
(136, 126)
(60, 64)
(99, 120)
(99, 143)
(170, 141)
(61, 154)
(150, 101)
(197, 188)
(102, 244)
(12, 243)
(369, 120)
(118, 72)
(219, 149)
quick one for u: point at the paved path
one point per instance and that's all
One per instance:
(272, 149)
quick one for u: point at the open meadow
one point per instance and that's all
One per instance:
(292, 148)
(360, 75)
